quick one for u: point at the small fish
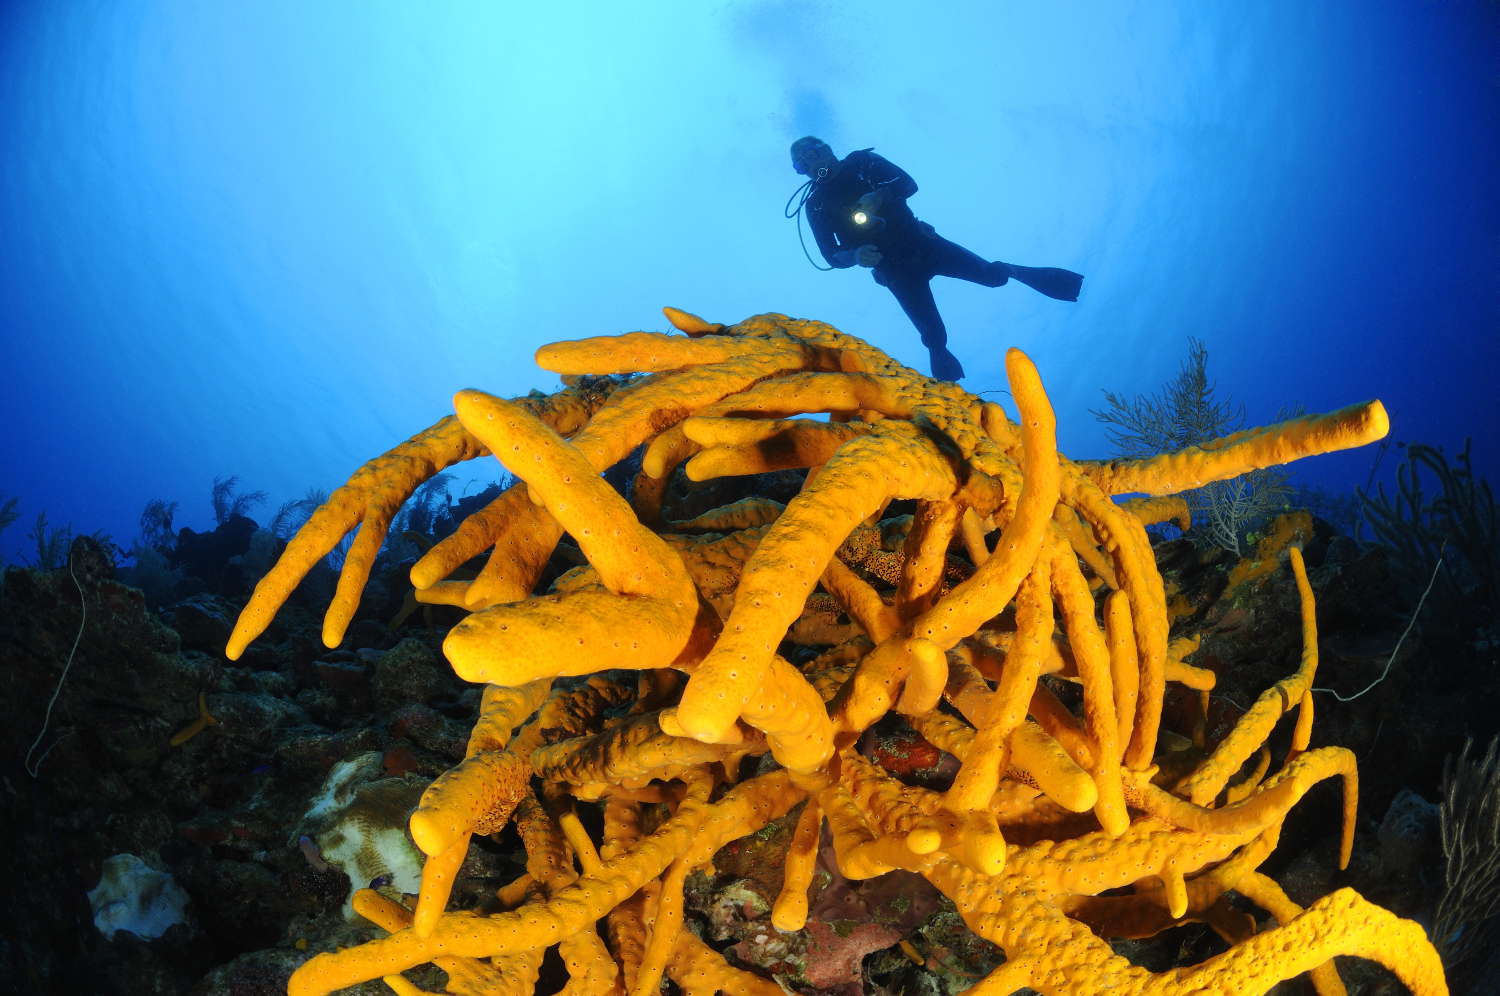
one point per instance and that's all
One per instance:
(379, 881)
(261, 769)
(310, 851)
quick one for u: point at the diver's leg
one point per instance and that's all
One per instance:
(914, 294)
(949, 259)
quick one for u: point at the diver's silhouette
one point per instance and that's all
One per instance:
(856, 207)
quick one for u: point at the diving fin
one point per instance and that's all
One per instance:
(1055, 282)
(945, 365)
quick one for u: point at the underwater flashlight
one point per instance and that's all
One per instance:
(860, 217)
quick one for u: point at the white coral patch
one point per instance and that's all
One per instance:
(135, 897)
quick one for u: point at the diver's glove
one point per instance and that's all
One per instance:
(867, 256)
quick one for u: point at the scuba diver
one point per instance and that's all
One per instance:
(856, 207)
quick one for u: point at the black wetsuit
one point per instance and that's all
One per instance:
(912, 253)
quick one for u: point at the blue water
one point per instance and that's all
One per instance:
(273, 239)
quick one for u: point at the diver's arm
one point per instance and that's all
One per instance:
(891, 182)
(840, 259)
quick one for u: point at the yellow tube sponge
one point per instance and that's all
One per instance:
(704, 613)
(925, 681)
(1251, 449)
(634, 352)
(979, 776)
(372, 497)
(1135, 568)
(747, 513)
(684, 321)
(586, 631)
(501, 710)
(630, 752)
(986, 593)
(1124, 667)
(515, 974)
(1265, 893)
(1154, 510)
(370, 501)
(1253, 728)
(893, 461)
(744, 808)
(494, 525)
(1092, 654)
(477, 796)
(438, 874)
(791, 714)
(524, 537)
(591, 970)
(790, 911)
(664, 930)
(702, 971)
(738, 446)
(1081, 539)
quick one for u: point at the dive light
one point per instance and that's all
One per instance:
(875, 224)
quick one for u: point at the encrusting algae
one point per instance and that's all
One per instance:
(712, 600)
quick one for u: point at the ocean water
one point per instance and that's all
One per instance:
(272, 240)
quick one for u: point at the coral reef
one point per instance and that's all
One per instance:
(1046, 820)
(1470, 813)
(1450, 543)
(8, 513)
